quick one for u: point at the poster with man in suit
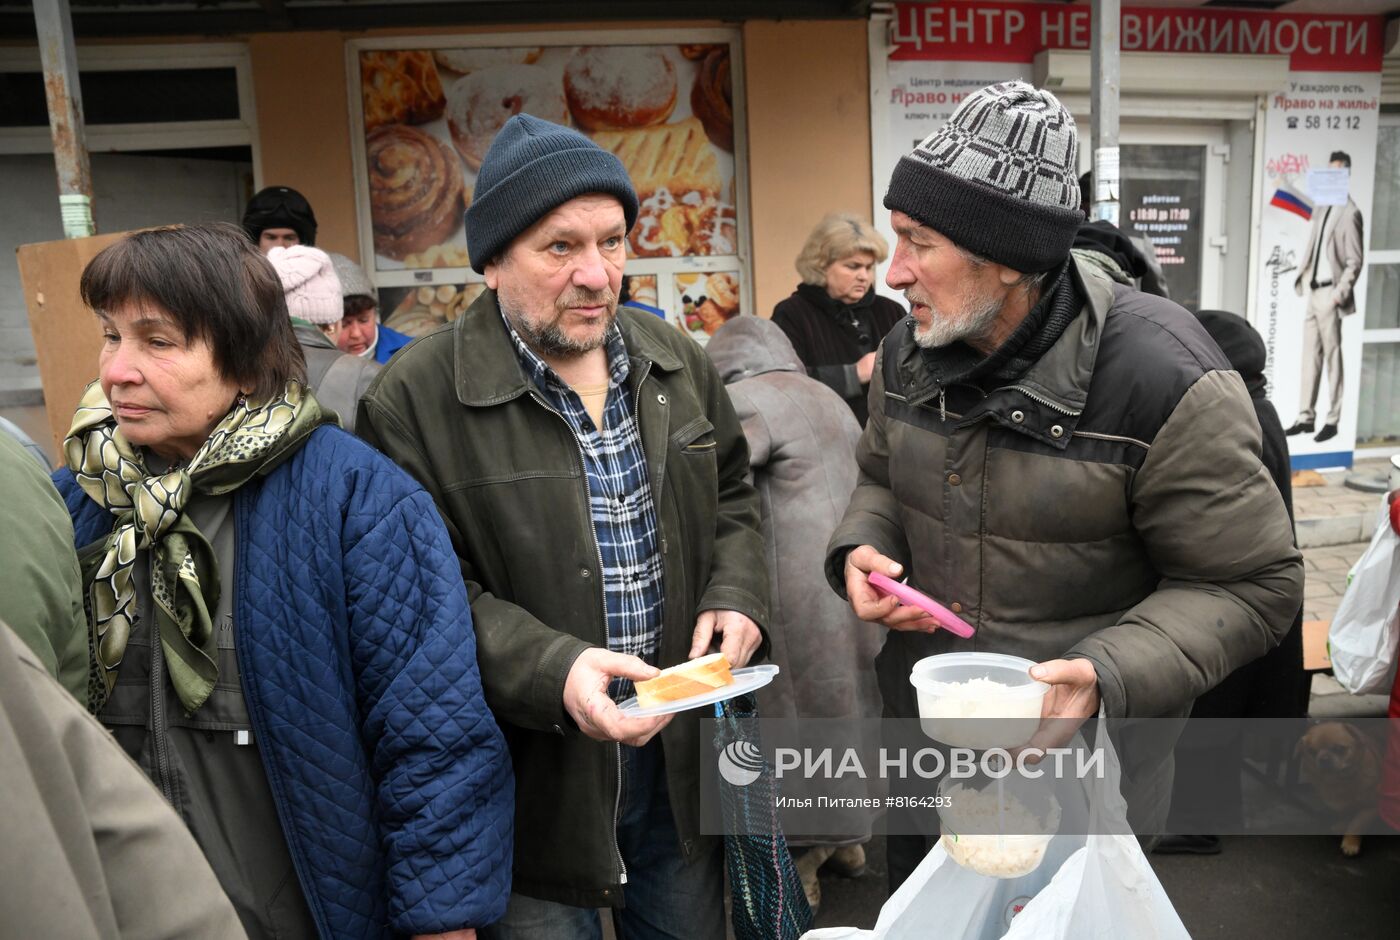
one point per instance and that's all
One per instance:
(1332, 262)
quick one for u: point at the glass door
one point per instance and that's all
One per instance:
(1172, 194)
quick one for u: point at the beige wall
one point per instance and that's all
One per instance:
(808, 131)
(300, 89)
(809, 138)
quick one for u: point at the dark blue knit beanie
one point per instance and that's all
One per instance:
(533, 167)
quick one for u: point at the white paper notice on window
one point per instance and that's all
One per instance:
(1329, 187)
(1106, 178)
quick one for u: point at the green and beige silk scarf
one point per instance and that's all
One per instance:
(150, 514)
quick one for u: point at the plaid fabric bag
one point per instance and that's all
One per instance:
(767, 896)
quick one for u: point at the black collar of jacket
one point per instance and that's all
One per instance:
(1049, 398)
(818, 297)
(488, 371)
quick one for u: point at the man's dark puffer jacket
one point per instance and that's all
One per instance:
(1110, 504)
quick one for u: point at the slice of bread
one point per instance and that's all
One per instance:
(695, 677)
(677, 157)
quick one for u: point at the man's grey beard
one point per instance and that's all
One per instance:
(975, 322)
(549, 339)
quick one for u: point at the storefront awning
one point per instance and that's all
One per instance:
(108, 18)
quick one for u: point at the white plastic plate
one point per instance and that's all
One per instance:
(747, 679)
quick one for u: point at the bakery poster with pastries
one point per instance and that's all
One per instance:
(429, 113)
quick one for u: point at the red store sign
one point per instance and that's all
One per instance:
(964, 30)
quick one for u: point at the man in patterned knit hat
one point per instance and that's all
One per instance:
(1066, 463)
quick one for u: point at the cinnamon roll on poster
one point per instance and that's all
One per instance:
(712, 97)
(416, 191)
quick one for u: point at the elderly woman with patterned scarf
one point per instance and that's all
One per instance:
(279, 632)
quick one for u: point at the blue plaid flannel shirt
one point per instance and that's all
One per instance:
(619, 499)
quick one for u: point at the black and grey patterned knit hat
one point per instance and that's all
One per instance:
(1000, 178)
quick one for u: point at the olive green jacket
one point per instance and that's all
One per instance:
(90, 849)
(458, 412)
(41, 587)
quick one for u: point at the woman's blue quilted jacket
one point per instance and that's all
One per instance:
(355, 642)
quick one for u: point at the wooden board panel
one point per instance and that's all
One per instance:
(67, 337)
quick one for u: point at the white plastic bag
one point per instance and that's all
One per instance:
(1365, 631)
(1095, 886)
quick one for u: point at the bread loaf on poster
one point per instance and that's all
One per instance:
(415, 190)
(479, 104)
(677, 157)
(696, 677)
(712, 96)
(613, 88)
(400, 87)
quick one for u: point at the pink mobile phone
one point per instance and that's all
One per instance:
(907, 595)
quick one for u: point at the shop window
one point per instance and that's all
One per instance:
(1378, 423)
(169, 96)
(127, 97)
(1383, 297)
(1385, 219)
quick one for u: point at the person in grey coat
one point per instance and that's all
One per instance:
(802, 454)
(315, 304)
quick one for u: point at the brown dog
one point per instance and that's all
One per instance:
(1343, 765)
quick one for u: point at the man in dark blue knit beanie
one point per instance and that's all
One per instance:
(532, 167)
(591, 469)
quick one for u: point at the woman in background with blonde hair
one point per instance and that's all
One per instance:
(835, 319)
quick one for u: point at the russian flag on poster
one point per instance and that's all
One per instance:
(1290, 200)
